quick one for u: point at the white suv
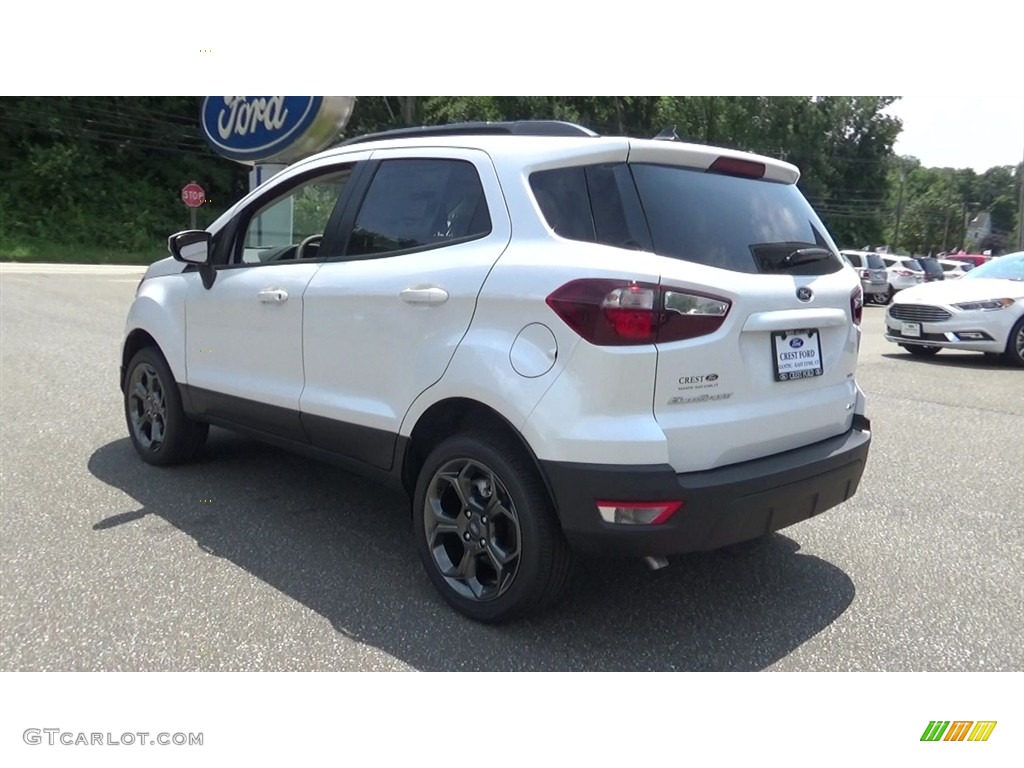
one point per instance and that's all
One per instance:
(904, 272)
(555, 342)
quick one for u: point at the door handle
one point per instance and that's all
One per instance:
(272, 295)
(424, 295)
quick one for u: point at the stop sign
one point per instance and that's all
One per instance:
(193, 195)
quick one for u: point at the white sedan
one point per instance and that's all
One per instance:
(981, 312)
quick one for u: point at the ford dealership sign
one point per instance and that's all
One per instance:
(278, 129)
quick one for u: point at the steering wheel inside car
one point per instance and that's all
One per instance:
(300, 251)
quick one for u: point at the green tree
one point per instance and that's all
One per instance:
(99, 168)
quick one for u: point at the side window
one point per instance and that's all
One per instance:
(563, 199)
(596, 204)
(417, 203)
(291, 226)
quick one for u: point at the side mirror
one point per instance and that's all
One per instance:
(191, 246)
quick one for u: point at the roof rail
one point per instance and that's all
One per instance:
(512, 128)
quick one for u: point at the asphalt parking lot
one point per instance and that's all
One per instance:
(254, 559)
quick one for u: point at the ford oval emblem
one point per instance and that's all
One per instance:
(251, 129)
(796, 343)
(804, 294)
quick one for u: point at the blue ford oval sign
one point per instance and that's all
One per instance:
(254, 129)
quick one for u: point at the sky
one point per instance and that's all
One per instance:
(961, 132)
(211, 53)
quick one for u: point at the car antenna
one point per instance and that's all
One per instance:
(669, 134)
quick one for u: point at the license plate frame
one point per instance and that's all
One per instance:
(910, 330)
(790, 357)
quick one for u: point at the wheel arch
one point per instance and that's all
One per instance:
(1010, 353)
(136, 340)
(157, 318)
(450, 417)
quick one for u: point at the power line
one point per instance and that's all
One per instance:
(111, 134)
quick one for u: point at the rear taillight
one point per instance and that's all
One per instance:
(618, 312)
(629, 311)
(904, 273)
(857, 305)
(732, 166)
(865, 275)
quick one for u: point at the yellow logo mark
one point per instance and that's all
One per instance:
(982, 730)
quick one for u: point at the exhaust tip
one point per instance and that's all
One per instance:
(656, 563)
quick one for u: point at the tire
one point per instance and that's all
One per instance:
(882, 298)
(921, 351)
(157, 425)
(486, 530)
(1014, 354)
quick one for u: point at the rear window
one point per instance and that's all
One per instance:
(930, 266)
(912, 264)
(733, 223)
(875, 261)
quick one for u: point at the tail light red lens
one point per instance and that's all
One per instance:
(619, 313)
(865, 275)
(630, 311)
(857, 305)
(904, 272)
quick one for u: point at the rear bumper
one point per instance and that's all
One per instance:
(720, 506)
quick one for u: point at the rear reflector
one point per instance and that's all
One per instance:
(732, 166)
(619, 312)
(637, 512)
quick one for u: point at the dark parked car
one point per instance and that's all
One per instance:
(932, 269)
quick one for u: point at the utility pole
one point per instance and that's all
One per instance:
(966, 222)
(1020, 212)
(945, 232)
(899, 212)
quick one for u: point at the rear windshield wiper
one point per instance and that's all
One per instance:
(805, 256)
